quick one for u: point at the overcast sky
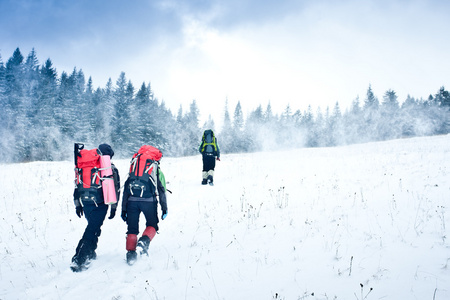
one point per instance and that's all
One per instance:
(291, 52)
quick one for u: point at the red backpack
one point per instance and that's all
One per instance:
(87, 176)
(143, 173)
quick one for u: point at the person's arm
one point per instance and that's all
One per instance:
(116, 179)
(126, 195)
(76, 198)
(218, 149)
(162, 193)
(76, 201)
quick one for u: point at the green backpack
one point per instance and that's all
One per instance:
(209, 145)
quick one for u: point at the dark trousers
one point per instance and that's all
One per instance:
(209, 162)
(95, 215)
(134, 209)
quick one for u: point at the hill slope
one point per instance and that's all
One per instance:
(324, 223)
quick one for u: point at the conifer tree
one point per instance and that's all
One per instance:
(227, 131)
(254, 129)
(409, 110)
(371, 116)
(6, 135)
(47, 142)
(192, 130)
(238, 144)
(308, 123)
(209, 124)
(107, 113)
(389, 126)
(18, 105)
(140, 122)
(336, 127)
(354, 123)
(120, 113)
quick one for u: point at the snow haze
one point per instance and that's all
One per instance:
(367, 221)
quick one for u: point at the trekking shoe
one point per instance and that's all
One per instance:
(79, 264)
(204, 181)
(143, 243)
(131, 257)
(210, 180)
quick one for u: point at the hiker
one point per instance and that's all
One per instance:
(210, 151)
(90, 202)
(143, 188)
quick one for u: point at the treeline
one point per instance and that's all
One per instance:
(43, 114)
(365, 121)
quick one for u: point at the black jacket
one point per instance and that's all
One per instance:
(161, 193)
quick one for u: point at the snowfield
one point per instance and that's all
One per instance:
(368, 221)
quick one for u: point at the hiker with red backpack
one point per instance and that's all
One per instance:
(210, 151)
(143, 188)
(94, 192)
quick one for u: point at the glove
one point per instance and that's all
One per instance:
(124, 215)
(112, 213)
(79, 211)
(164, 214)
(218, 158)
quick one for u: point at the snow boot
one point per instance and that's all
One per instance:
(210, 180)
(79, 264)
(143, 243)
(209, 177)
(83, 255)
(131, 257)
(148, 235)
(205, 176)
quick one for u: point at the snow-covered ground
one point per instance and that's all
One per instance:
(366, 221)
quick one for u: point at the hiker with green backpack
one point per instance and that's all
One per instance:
(143, 189)
(209, 148)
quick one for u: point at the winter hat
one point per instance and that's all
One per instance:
(106, 149)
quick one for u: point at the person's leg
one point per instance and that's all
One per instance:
(151, 215)
(150, 211)
(205, 169)
(133, 213)
(210, 176)
(204, 177)
(210, 164)
(95, 215)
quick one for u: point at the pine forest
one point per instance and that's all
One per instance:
(42, 114)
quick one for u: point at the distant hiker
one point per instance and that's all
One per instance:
(89, 200)
(144, 186)
(209, 148)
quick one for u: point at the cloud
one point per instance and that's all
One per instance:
(285, 52)
(321, 53)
